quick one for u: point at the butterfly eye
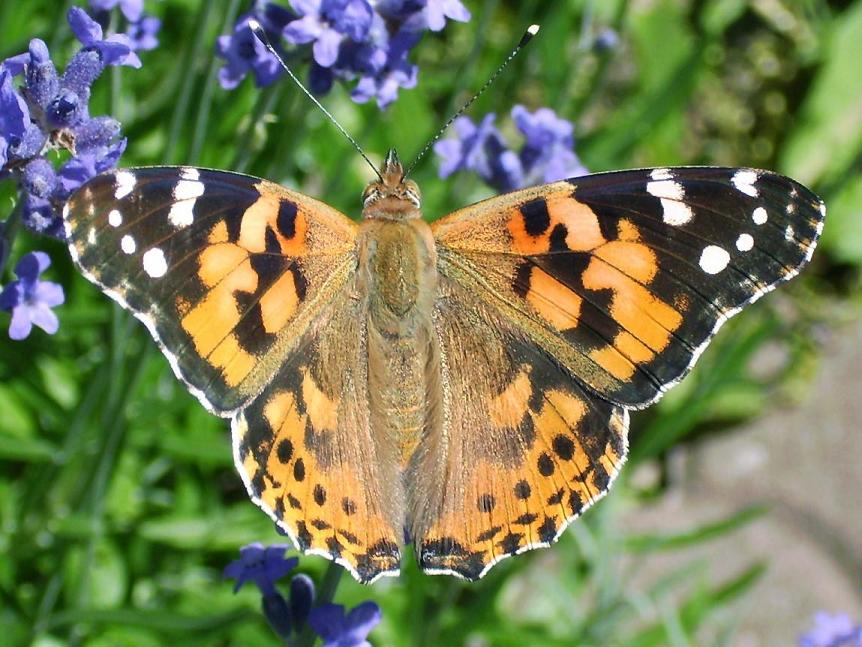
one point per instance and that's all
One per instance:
(370, 194)
(412, 193)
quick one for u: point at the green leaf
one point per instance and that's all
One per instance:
(829, 135)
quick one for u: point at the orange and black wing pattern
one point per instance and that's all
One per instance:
(624, 277)
(221, 267)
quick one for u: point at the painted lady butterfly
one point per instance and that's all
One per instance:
(463, 386)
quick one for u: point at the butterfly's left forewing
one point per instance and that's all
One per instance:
(226, 270)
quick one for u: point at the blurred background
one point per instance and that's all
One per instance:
(738, 516)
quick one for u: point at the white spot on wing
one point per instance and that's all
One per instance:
(124, 182)
(188, 189)
(91, 236)
(788, 233)
(155, 264)
(127, 244)
(759, 216)
(745, 242)
(661, 174)
(666, 189)
(674, 210)
(714, 259)
(182, 214)
(189, 173)
(744, 180)
(186, 193)
(115, 218)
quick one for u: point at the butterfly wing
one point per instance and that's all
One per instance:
(521, 448)
(561, 307)
(625, 276)
(226, 270)
(247, 287)
(310, 458)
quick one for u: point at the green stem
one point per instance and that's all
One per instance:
(202, 119)
(10, 230)
(182, 105)
(325, 595)
(265, 101)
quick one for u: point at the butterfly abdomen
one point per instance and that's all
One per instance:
(398, 278)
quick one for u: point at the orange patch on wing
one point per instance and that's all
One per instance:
(555, 302)
(614, 362)
(322, 411)
(637, 310)
(218, 234)
(634, 259)
(581, 223)
(570, 408)
(210, 322)
(234, 362)
(219, 261)
(278, 304)
(508, 408)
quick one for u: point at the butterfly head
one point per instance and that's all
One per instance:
(391, 197)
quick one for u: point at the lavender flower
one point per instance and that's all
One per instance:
(396, 72)
(53, 111)
(29, 299)
(14, 116)
(338, 629)
(244, 53)
(142, 33)
(260, 565)
(480, 149)
(547, 154)
(326, 23)
(133, 10)
(832, 631)
(362, 40)
(115, 49)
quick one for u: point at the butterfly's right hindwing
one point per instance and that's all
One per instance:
(226, 270)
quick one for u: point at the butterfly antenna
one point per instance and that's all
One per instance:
(260, 34)
(532, 30)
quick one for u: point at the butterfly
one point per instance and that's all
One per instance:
(463, 386)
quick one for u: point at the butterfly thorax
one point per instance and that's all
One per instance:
(397, 278)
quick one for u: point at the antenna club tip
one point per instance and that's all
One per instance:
(532, 30)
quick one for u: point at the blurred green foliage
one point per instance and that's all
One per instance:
(119, 504)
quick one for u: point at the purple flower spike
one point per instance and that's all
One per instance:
(548, 154)
(115, 49)
(339, 630)
(14, 116)
(832, 631)
(29, 299)
(382, 84)
(244, 53)
(438, 11)
(41, 80)
(132, 9)
(326, 23)
(480, 149)
(260, 565)
(142, 34)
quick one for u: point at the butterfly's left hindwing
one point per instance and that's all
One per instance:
(222, 268)
(624, 277)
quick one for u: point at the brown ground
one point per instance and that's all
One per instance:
(805, 462)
